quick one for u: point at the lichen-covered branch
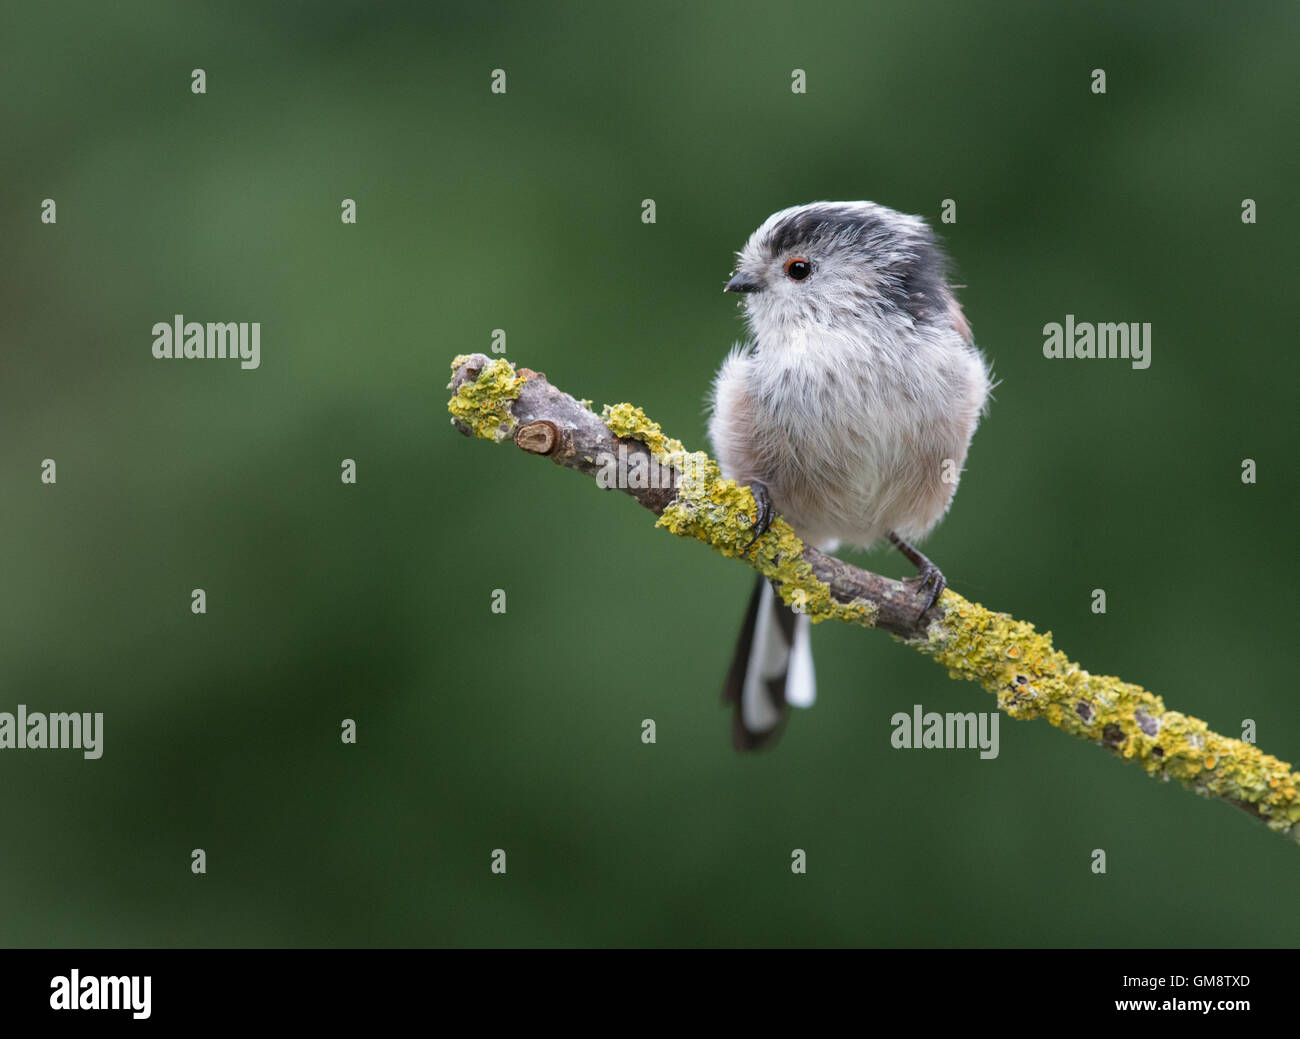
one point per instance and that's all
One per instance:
(1031, 679)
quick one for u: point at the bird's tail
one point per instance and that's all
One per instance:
(771, 671)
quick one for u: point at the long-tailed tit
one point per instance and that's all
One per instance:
(848, 413)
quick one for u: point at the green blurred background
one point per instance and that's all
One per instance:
(522, 212)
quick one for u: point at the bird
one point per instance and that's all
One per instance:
(848, 410)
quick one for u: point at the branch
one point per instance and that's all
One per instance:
(623, 448)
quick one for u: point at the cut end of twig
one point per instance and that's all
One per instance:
(537, 438)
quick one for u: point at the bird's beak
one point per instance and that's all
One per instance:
(742, 283)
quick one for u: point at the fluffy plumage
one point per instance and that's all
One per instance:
(856, 397)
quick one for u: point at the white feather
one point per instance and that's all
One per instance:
(801, 685)
(767, 659)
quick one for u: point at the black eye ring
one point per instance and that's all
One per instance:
(798, 268)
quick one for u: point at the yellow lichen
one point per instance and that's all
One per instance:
(627, 420)
(721, 514)
(483, 404)
(1038, 681)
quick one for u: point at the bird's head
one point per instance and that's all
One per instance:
(843, 266)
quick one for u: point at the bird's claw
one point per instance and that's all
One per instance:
(929, 576)
(765, 513)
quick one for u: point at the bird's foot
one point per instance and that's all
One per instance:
(928, 576)
(764, 516)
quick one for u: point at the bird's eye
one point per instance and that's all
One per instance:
(798, 268)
